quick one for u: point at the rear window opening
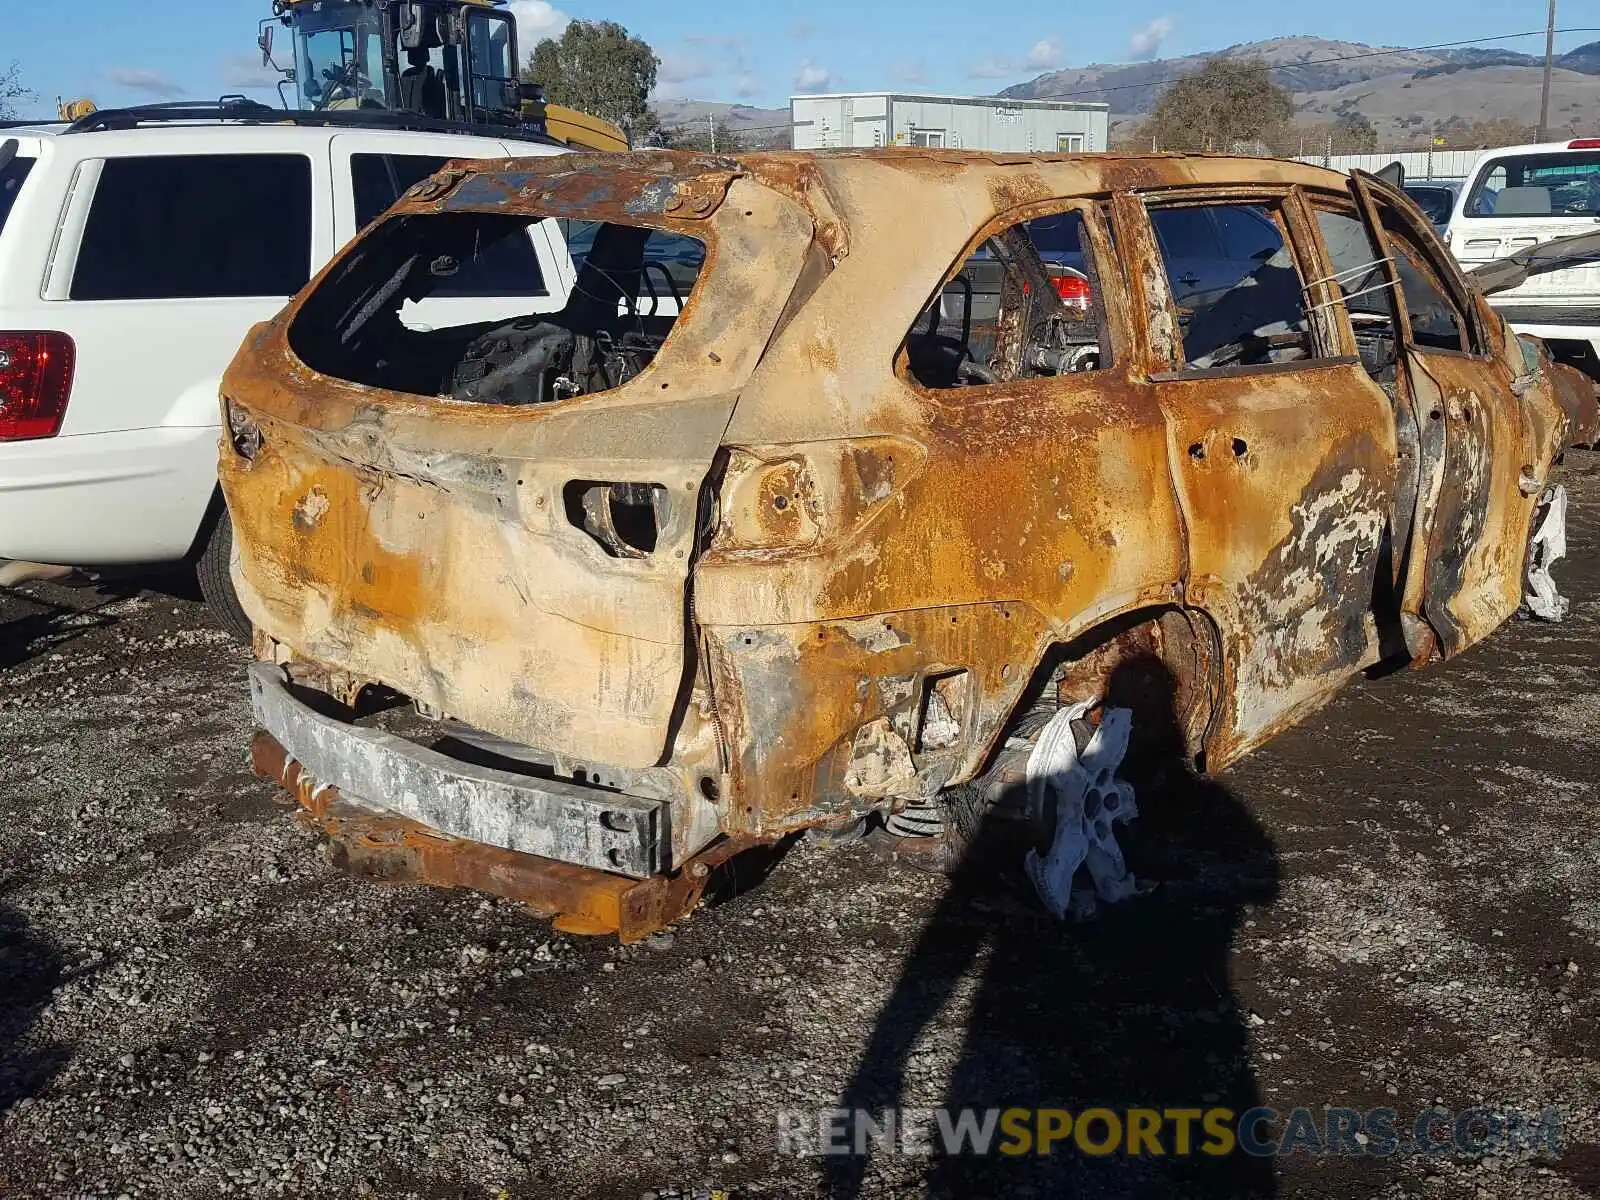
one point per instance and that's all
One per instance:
(368, 323)
(1537, 185)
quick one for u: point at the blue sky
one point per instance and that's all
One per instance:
(124, 51)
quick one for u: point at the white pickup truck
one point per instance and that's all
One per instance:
(1518, 197)
(132, 263)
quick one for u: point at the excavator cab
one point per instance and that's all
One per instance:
(448, 60)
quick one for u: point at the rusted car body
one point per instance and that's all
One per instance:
(824, 539)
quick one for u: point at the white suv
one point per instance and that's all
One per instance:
(1517, 197)
(132, 263)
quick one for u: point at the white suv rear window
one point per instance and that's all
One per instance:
(198, 226)
(12, 177)
(1537, 185)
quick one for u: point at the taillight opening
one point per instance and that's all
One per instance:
(35, 381)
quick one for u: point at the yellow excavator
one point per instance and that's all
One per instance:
(450, 62)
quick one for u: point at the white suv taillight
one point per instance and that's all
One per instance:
(35, 382)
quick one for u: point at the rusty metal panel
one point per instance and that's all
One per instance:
(1478, 529)
(1577, 395)
(426, 543)
(1285, 480)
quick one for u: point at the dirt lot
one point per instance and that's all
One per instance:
(1396, 905)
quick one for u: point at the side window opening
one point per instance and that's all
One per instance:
(1363, 285)
(1436, 322)
(621, 311)
(507, 267)
(1239, 294)
(198, 226)
(1027, 304)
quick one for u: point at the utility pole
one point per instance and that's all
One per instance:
(1549, 58)
(711, 122)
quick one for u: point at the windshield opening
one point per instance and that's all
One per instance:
(489, 51)
(391, 316)
(1537, 185)
(339, 60)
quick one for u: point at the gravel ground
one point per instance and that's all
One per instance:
(1395, 905)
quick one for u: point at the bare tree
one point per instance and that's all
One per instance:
(698, 135)
(12, 92)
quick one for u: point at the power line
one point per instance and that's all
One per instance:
(1310, 62)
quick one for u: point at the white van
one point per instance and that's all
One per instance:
(132, 263)
(1517, 197)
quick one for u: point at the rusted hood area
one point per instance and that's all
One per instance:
(1577, 395)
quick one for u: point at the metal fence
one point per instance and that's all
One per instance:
(1418, 164)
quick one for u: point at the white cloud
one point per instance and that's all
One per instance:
(705, 56)
(809, 77)
(536, 20)
(246, 71)
(991, 68)
(1045, 55)
(1147, 39)
(683, 68)
(747, 88)
(137, 79)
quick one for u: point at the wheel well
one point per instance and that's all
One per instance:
(215, 507)
(1163, 662)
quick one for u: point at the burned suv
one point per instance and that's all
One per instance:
(827, 482)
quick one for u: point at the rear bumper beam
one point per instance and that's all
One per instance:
(587, 827)
(395, 849)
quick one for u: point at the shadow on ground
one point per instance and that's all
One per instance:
(31, 968)
(35, 618)
(1129, 1010)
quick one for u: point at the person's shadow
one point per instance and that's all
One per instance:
(31, 967)
(1131, 1009)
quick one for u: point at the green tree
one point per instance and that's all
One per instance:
(598, 67)
(1228, 104)
(11, 91)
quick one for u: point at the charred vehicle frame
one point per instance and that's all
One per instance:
(808, 534)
